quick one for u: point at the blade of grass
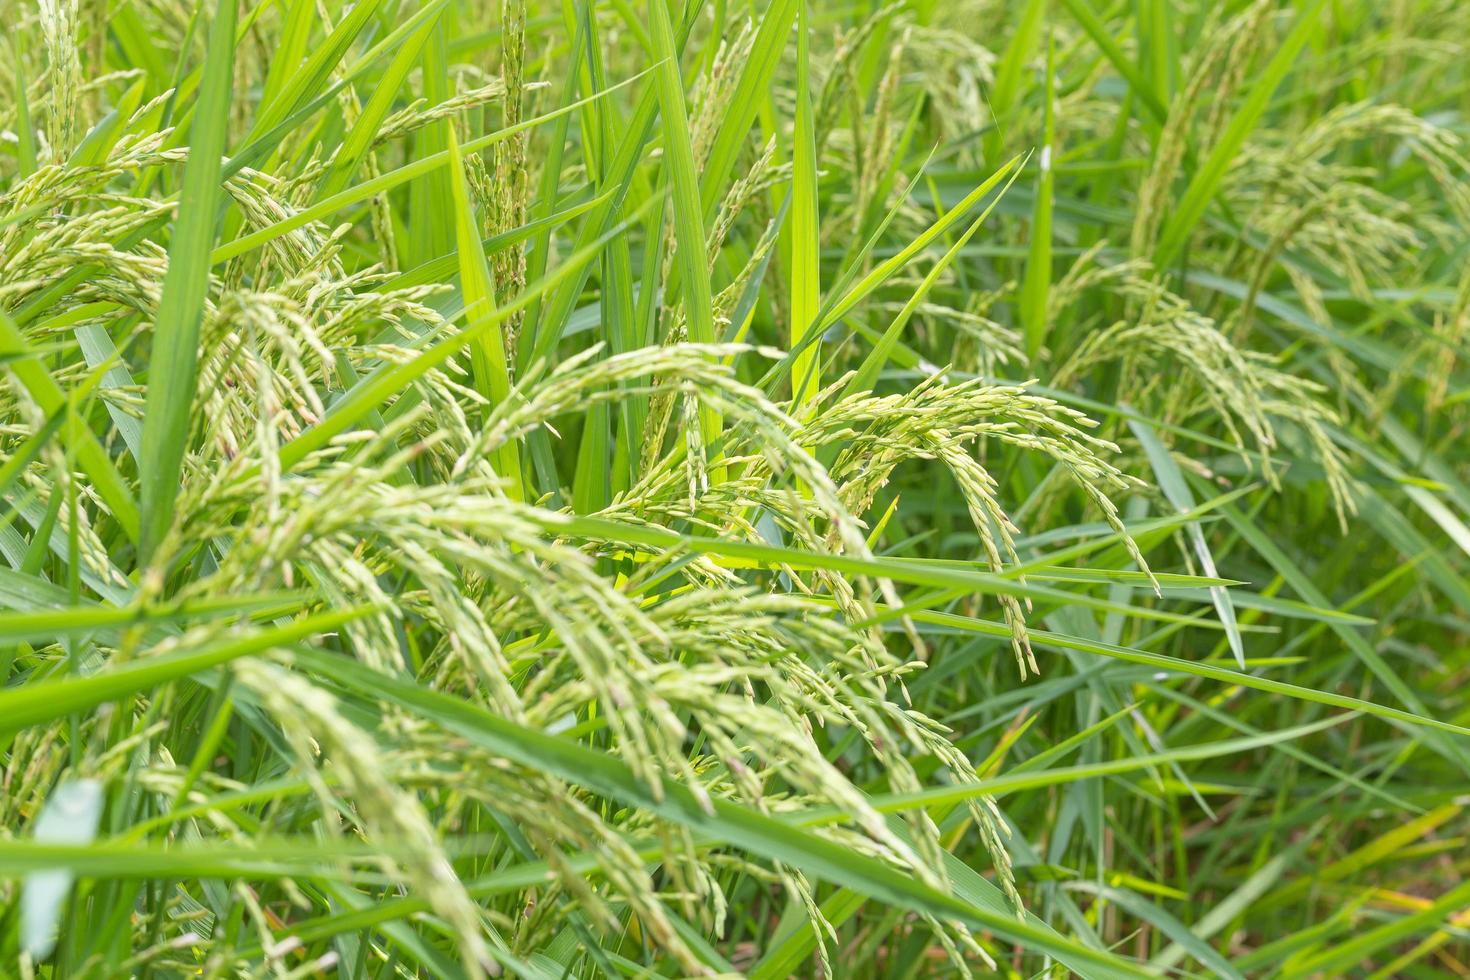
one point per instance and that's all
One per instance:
(1046, 638)
(1082, 12)
(1037, 282)
(688, 214)
(487, 353)
(752, 87)
(299, 84)
(43, 389)
(1303, 585)
(25, 136)
(804, 229)
(44, 701)
(386, 89)
(1338, 958)
(174, 363)
(383, 182)
(1176, 490)
(50, 624)
(1008, 74)
(286, 61)
(867, 374)
(837, 308)
(1186, 215)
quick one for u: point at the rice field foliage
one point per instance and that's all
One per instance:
(668, 488)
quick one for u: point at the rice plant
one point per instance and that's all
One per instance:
(734, 488)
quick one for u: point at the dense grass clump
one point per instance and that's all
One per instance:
(791, 487)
